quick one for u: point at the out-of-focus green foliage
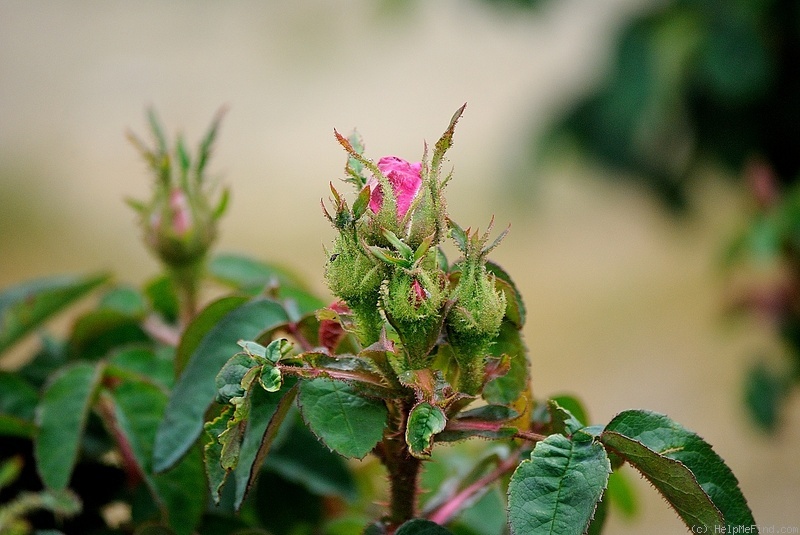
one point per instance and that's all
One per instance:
(690, 82)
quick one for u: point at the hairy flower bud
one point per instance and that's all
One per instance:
(179, 229)
(356, 278)
(180, 221)
(412, 301)
(474, 320)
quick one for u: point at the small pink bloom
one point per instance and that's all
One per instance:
(405, 180)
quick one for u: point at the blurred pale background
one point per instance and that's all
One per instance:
(624, 302)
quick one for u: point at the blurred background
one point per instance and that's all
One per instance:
(624, 287)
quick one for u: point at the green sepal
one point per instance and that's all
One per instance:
(361, 203)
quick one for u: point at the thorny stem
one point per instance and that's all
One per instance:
(403, 468)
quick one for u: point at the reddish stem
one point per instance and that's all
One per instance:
(293, 330)
(448, 510)
(129, 464)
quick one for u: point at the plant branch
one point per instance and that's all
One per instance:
(129, 464)
(448, 510)
(299, 337)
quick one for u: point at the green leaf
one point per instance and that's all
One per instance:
(12, 426)
(347, 423)
(558, 489)
(420, 526)
(302, 459)
(51, 356)
(124, 299)
(683, 467)
(25, 306)
(61, 417)
(147, 363)
(10, 470)
(765, 393)
(97, 332)
(229, 380)
(424, 421)
(206, 320)
(506, 389)
(139, 407)
(270, 378)
(621, 494)
(562, 421)
(163, 298)
(195, 389)
(246, 273)
(574, 407)
(183, 491)
(212, 453)
(18, 398)
(267, 412)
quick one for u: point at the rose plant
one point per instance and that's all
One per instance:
(239, 416)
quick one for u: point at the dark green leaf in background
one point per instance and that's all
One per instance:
(246, 273)
(25, 306)
(61, 417)
(302, 459)
(139, 409)
(765, 392)
(18, 397)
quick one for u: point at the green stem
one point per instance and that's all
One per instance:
(187, 284)
(471, 372)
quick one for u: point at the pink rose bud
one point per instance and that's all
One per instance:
(405, 180)
(181, 213)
